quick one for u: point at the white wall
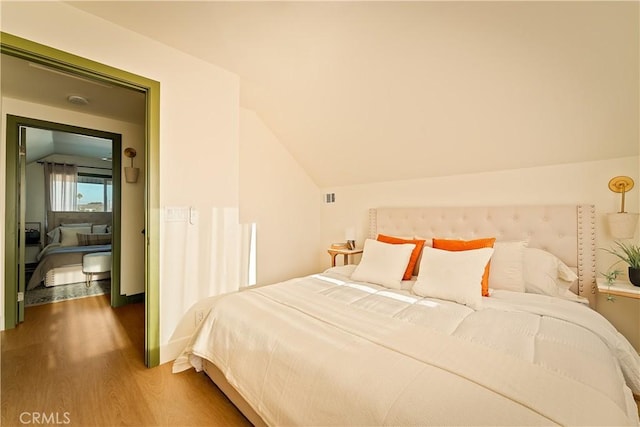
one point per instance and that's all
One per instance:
(280, 197)
(132, 250)
(198, 127)
(277, 195)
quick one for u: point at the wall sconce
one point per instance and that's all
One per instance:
(131, 173)
(622, 225)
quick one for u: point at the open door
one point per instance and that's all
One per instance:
(22, 209)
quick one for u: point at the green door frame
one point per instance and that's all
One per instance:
(76, 65)
(13, 125)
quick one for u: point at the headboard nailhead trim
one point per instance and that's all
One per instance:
(587, 251)
(373, 226)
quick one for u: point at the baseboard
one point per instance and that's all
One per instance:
(170, 351)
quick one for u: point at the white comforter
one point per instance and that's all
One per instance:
(322, 350)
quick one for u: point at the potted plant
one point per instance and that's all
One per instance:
(629, 253)
(610, 277)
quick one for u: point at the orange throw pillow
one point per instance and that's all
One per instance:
(414, 255)
(465, 245)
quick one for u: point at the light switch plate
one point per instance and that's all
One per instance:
(176, 213)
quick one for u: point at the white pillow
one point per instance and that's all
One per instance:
(546, 274)
(99, 228)
(69, 235)
(54, 235)
(507, 266)
(452, 275)
(383, 263)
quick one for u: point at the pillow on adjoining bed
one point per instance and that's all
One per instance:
(544, 273)
(69, 235)
(452, 275)
(94, 239)
(383, 263)
(507, 266)
(465, 245)
(414, 255)
(54, 235)
(99, 228)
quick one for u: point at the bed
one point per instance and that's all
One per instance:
(70, 236)
(333, 349)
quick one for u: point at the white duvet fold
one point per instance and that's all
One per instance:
(323, 351)
(576, 314)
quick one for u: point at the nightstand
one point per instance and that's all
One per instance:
(344, 252)
(622, 289)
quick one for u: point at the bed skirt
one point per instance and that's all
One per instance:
(219, 380)
(70, 274)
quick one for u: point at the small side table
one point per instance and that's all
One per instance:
(344, 252)
(622, 289)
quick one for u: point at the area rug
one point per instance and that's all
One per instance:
(46, 295)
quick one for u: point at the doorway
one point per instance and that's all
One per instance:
(87, 69)
(97, 194)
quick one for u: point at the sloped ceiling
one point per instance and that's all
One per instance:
(362, 92)
(42, 143)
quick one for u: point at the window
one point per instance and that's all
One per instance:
(95, 193)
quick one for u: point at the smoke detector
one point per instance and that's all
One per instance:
(77, 100)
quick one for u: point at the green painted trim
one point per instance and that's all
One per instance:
(11, 229)
(26, 49)
(152, 226)
(73, 64)
(117, 300)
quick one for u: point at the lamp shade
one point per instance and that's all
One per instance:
(131, 174)
(350, 233)
(622, 225)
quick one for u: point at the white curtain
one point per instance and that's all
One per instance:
(61, 186)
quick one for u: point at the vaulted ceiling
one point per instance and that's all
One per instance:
(362, 92)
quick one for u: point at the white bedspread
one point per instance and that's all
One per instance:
(322, 350)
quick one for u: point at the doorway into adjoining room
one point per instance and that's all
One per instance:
(61, 66)
(66, 192)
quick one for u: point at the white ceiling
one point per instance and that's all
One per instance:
(43, 143)
(362, 92)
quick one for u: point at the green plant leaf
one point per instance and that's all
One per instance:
(627, 252)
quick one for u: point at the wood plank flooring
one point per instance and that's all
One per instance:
(81, 363)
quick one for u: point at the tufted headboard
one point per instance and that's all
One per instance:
(567, 231)
(55, 218)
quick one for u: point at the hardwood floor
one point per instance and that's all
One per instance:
(81, 363)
